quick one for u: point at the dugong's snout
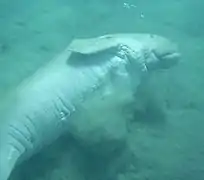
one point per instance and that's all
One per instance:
(166, 52)
(168, 60)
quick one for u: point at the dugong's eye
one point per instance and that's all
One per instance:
(151, 36)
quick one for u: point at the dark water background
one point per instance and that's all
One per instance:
(166, 145)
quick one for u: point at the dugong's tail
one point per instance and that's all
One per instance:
(5, 170)
(8, 155)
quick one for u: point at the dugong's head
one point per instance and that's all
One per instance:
(152, 51)
(164, 52)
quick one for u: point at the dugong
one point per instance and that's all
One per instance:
(43, 107)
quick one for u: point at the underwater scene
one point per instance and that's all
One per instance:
(101, 90)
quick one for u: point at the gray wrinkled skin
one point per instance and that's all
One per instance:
(44, 106)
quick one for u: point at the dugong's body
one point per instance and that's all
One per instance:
(43, 107)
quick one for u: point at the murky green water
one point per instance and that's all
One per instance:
(165, 141)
